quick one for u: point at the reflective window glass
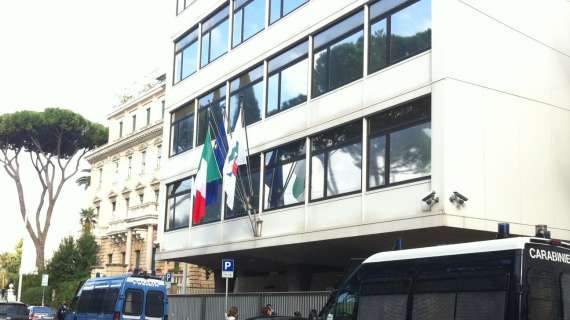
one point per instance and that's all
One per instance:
(281, 8)
(186, 59)
(410, 30)
(133, 305)
(179, 204)
(189, 60)
(250, 20)
(154, 304)
(410, 153)
(215, 36)
(247, 189)
(211, 110)
(247, 92)
(284, 180)
(378, 45)
(182, 129)
(376, 161)
(336, 161)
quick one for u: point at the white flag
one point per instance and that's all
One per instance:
(237, 156)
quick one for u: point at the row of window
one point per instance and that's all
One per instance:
(147, 122)
(399, 30)
(210, 39)
(124, 258)
(103, 301)
(142, 168)
(399, 151)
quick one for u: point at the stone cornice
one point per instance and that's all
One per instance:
(156, 90)
(110, 149)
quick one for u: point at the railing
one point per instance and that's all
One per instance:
(211, 306)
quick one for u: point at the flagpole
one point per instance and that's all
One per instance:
(257, 221)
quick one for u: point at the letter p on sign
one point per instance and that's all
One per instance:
(228, 268)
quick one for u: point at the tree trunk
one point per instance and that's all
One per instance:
(40, 254)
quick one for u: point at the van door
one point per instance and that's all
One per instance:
(154, 306)
(134, 304)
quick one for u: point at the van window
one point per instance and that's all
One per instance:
(565, 286)
(133, 302)
(95, 303)
(84, 301)
(540, 294)
(109, 301)
(154, 304)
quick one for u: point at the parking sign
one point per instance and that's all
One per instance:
(228, 268)
(168, 277)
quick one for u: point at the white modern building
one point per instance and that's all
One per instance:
(368, 121)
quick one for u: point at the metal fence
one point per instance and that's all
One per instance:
(211, 306)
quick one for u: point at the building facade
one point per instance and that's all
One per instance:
(367, 121)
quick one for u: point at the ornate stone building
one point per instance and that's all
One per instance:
(125, 186)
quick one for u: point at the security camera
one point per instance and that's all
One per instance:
(430, 199)
(458, 198)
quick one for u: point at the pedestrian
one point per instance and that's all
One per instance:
(270, 310)
(313, 315)
(62, 311)
(232, 314)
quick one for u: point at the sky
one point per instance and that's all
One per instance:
(79, 55)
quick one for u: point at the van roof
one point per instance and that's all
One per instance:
(454, 249)
(119, 280)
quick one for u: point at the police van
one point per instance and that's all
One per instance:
(121, 297)
(519, 278)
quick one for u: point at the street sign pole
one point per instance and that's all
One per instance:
(43, 294)
(45, 279)
(228, 268)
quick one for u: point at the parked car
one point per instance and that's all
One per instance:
(13, 311)
(121, 297)
(41, 313)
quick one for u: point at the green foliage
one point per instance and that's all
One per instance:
(88, 219)
(71, 263)
(55, 132)
(10, 266)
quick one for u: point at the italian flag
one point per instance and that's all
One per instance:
(208, 172)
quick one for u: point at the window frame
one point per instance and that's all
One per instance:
(325, 165)
(242, 9)
(186, 4)
(251, 84)
(327, 46)
(282, 163)
(217, 102)
(387, 132)
(279, 71)
(180, 51)
(172, 140)
(208, 32)
(142, 304)
(146, 304)
(388, 16)
(281, 15)
(173, 197)
(240, 214)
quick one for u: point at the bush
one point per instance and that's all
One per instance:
(32, 296)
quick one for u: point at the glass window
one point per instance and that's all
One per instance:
(410, 31)
(181, 5)
(84, 300)
(433, 306)
(154, 304)
(378, 45)
(133, 302)
(383, 307)
(182, 129)
(249, 19)
(247, 188)
(178, 204)
(339, 54)
(213, 203)
(211, 109)
(280, 8)
(247, 92)
(541, 295)
(186, 56)
(565, 288)
(284, 180)
(336, 161)
(215, 36)
(406, 132)
(287, 86)
(110, 299)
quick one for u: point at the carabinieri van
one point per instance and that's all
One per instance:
(505, 279)
(121, 297)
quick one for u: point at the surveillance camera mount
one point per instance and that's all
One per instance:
(458, 198)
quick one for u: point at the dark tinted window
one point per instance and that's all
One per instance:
(154, 304)
(109, 300)
(12, 310)
(182, 129)
(84, 301)
(247, 93)
(541, 288)
(96, 301)
(565, 288)
(247, 189)
(211, 110)
(178, 205)
(133, 303)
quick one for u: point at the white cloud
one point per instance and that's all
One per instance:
(78, 55)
